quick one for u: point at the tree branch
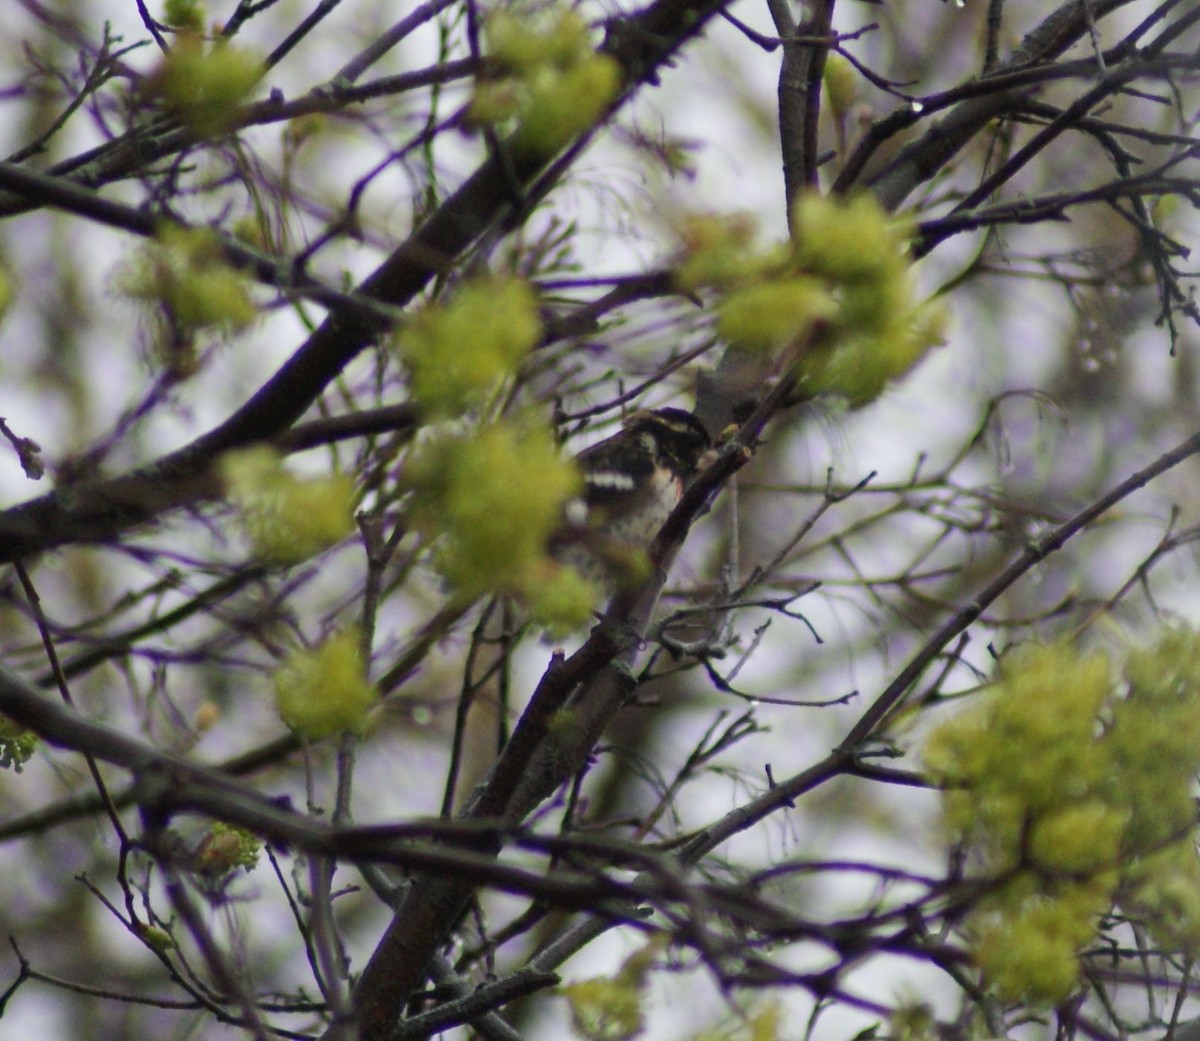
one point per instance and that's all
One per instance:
(800, 76)
(919, 161)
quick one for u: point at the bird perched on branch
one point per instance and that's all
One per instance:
(632, 482)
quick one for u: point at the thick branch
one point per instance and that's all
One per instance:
(800, 97)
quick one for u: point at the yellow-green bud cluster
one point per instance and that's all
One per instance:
(608, 1009)
(1155, 740)
(324, 690)
(287, 518)
(456, 352)
(721, 251)
(491, 500)
(842, 291)
(227, 847)
(183, 273)
(1072, 786)
(17, 745)
(203, 85)
(545, 77)
(602, 1010)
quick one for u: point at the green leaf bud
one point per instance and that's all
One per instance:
(226, 848)
(605, 1010)
(184, 272)
(496, 101)
(204, 88)
(771, 314)
(520, 44)
(720, 250)
(156, 939)
(456, 351)
(325, 690)
(1165, 893)
(1078, 838)
(841, 84)
(848, 240)
(565, 102)
(561, 600)
(17, 745)
(288, 519)
(492, 501)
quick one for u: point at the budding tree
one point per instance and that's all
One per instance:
(311, 726)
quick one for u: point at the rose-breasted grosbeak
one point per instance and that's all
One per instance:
(632, 482)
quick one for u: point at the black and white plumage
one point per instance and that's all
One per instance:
(632, 482)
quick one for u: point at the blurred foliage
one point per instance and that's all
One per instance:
(289, 519)
(1070, 784)
(324, 690)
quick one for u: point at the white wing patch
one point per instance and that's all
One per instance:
(612, 479)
